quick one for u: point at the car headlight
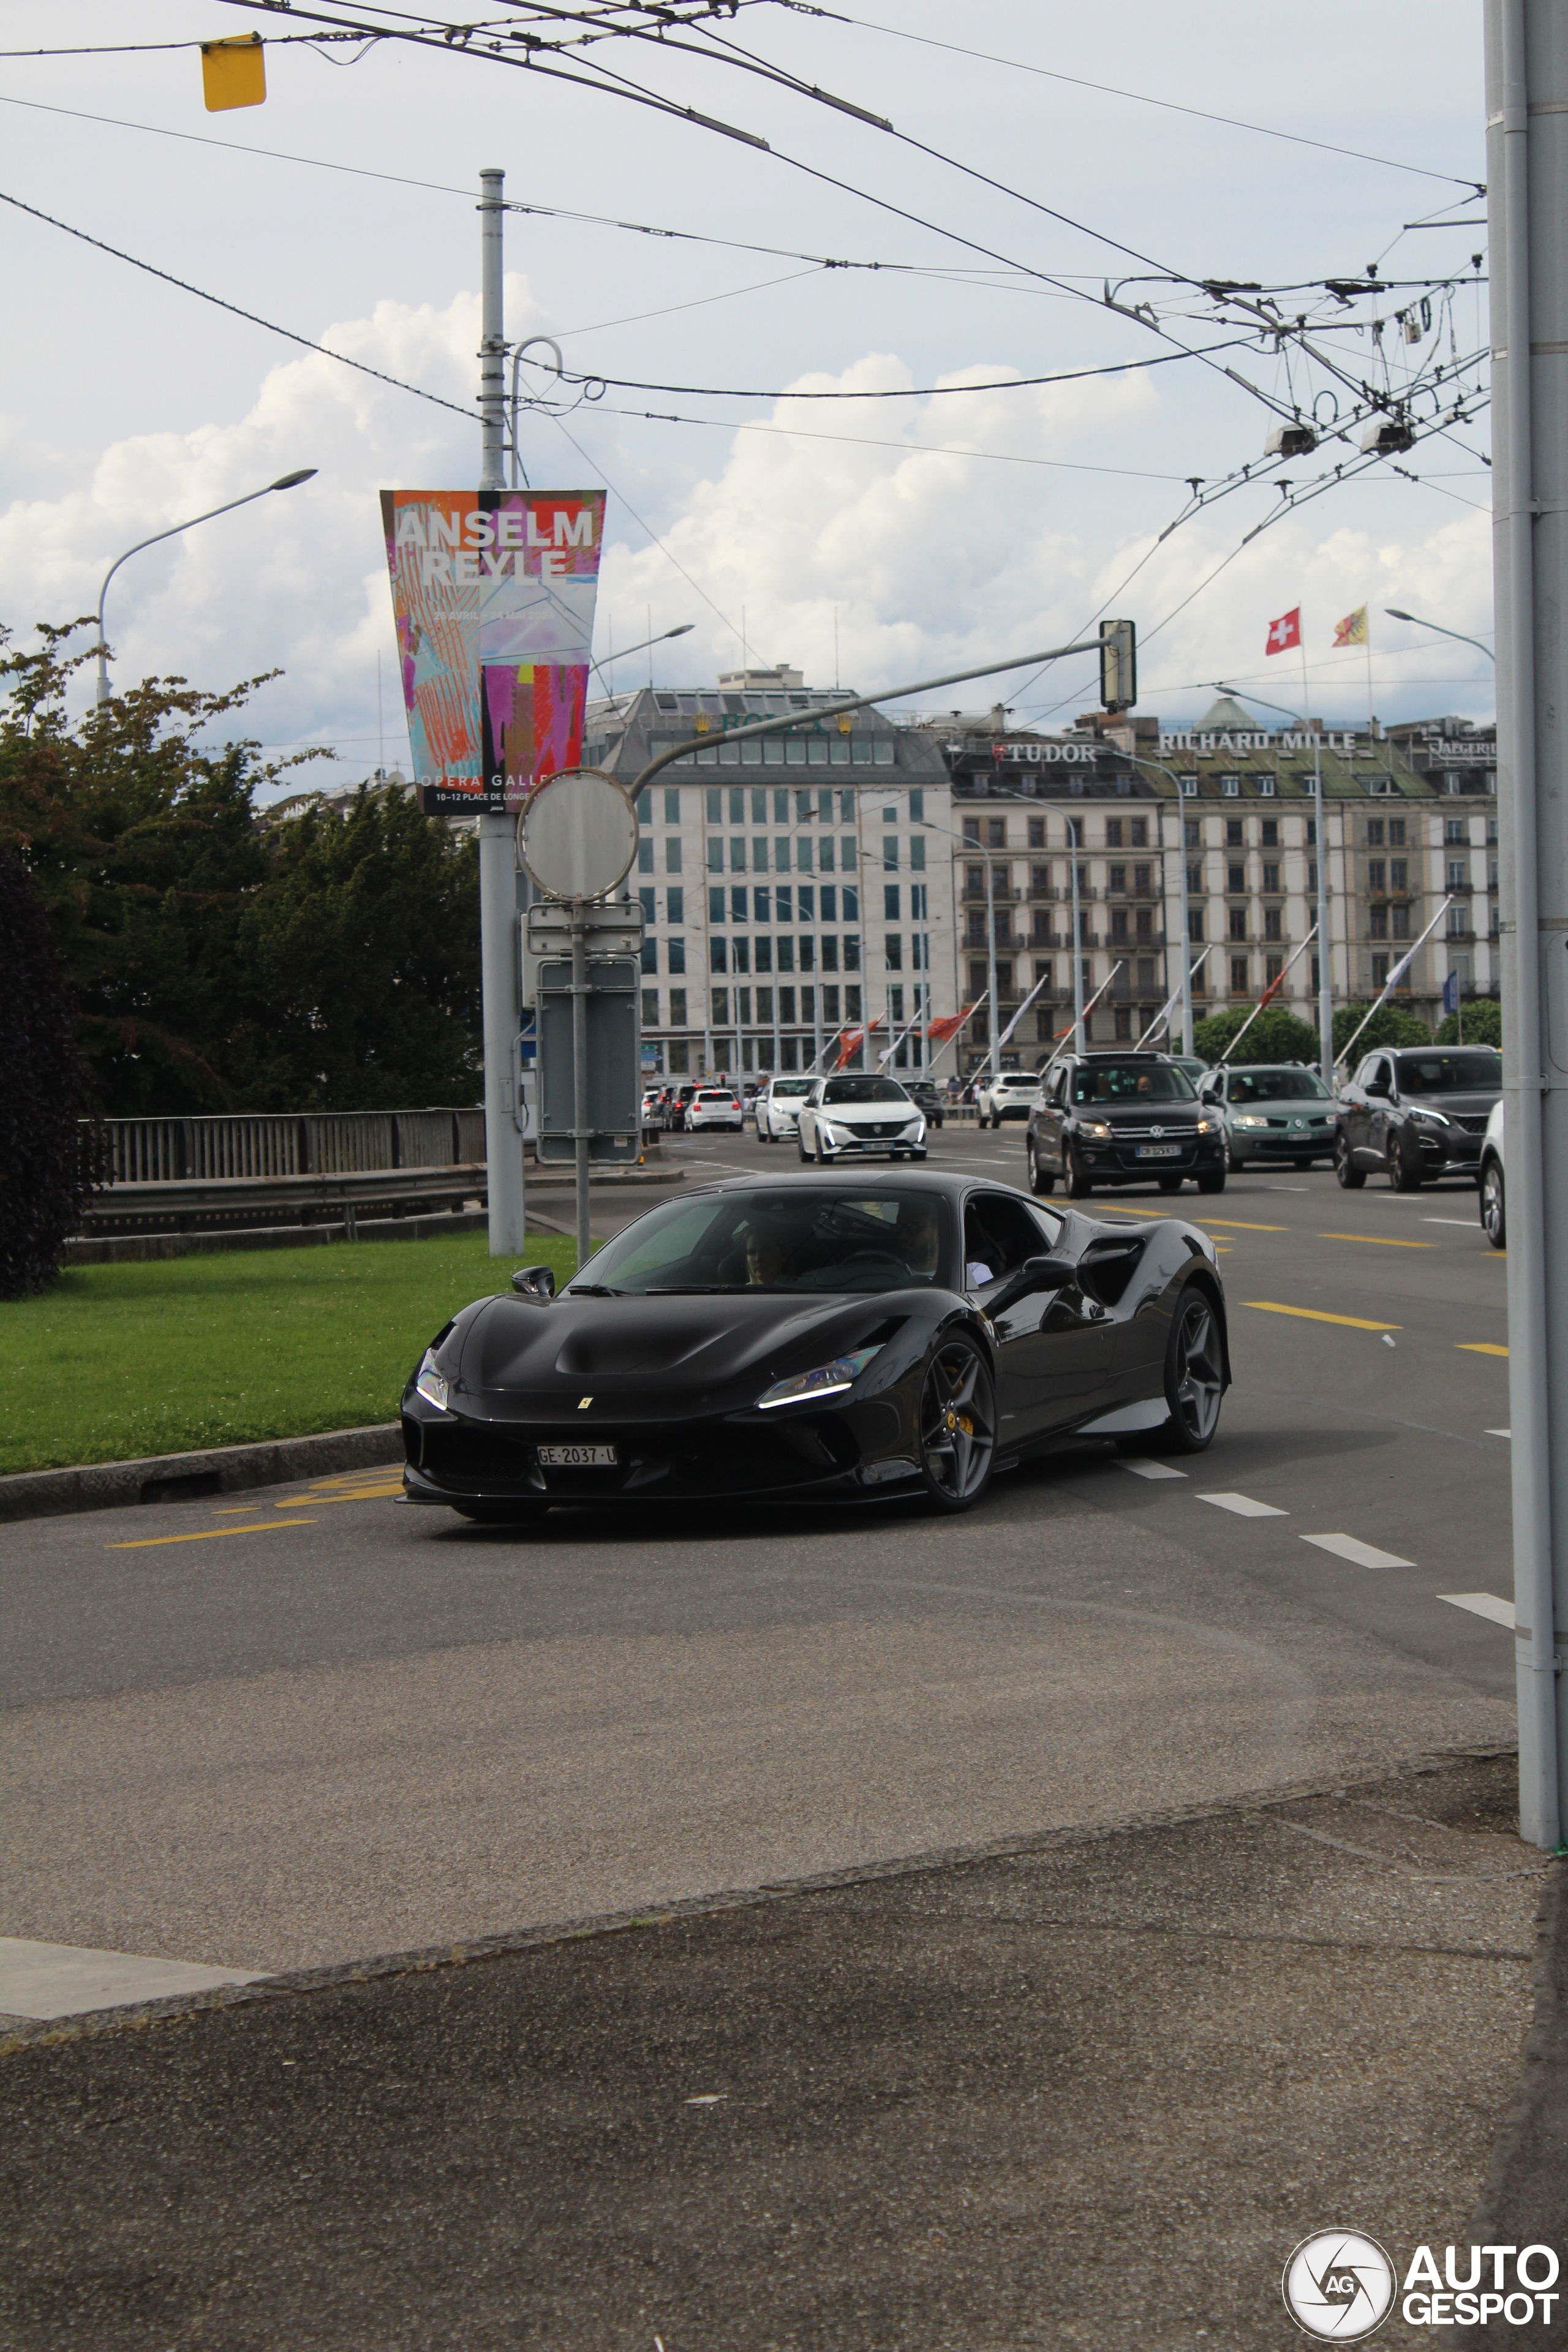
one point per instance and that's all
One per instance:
(1431, 1118)
(1243, 1119)
(920, 1131)
(1095, 1127)
(827, 1379)
(430, 1383)
(840, 1135)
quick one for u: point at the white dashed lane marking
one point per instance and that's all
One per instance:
(1359, 1554)
(1499, 1432)
(1482, 1604)
(46, 1980)
(1144, 1469)
(1244, 1507)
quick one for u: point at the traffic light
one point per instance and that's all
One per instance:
(1118, 664)
(233, 72)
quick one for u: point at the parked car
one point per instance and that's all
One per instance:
(850, 1118)
(930, 1097)
(714, 1106)
(778, 1105)
(1416, 1114)
(1007, 1093)
(818, 1339)
(1494, 1197)
(1122, 1118)
(1277, 1114)
(676, 1100)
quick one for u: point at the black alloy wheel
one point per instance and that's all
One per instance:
(800, 1143)
(1405, 1173)
(1494, 1216)
(1170, 1184)
(1231, 1162)
(958, 1425)
(1041, 1179)
(1349, 1176)
(1212, 1181)
(1195, 1375)
(1078, 1186)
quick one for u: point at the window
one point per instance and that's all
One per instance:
(715, 805)
(1189, 787)
(1377, 923)
(1140, 880)
(830, 902)
(1237, 923)
(721, 1004)
(805, 899)
(1194, 880)
(890, 853)
(784, 903)
(644, 854)
(1271, 877)
(1271, 930)
(718, 954)
(1124, 1024)
(1236, 877)
(675, 956)
(848, 860)
(917, 807)
(650, 899)
(786, 1004)
(1118, 923)
(1311, 833)
(1396, 833)
(715, 905)
(893, 951)
(1375, 831)
(650, 1008)
(1271, 833)
(1376, 873)
(743, 1006)
(890, 902)
(1458, 874)
(803, 853)
(1196, 924)
(975, 881)
(972, 831)
(918, 910)
(996, 832)
(1266, 788)
(1272, 967)
(759, 804)
(1139, 833)
(1117, 881)
(650, 956)
(738, 905)
(1113, 832)
(852, 954)
(1036, 833)
(786, 954)
(715, 854)
(1145, 923)
(1453, 829)
(1398, 873)
(740, 955)
(758, 853)
(737, 805)
(851, 904)
(1233, 835)
(977, 982)
(1238, 975)
(1312, 875)
(830, 953)
(672, 854)
(1380, 971)
(672, 804)
(824, 854)
(1399, 922)
(918, 854)
(807, 953)
(765, 956)
(1453, 783)
(675, 906)
(678, 1021)
(1040, 881)
(830, 1006)
(1230, 787)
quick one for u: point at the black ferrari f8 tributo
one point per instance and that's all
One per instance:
(814, 1340)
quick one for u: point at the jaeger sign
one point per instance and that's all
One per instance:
(493, 592)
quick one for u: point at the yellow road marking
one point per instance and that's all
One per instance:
(1480, 1348)
(1378, 1240)
(354, 1495)
(1231, 1225)
(1316, 1315)
(260, 1528)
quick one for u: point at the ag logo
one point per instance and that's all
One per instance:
(1339, 2286)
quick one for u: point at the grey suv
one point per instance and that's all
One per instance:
(1416, 1114)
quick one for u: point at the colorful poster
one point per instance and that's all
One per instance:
(493, 595)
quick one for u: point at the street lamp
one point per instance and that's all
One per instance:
(1175, 780)
(1325, 945)
(284, 482)
(1458, 635)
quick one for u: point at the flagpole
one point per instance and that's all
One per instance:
(1398, 974)
(1119, 965)
(1163, 1018)
(958, 1027)
(1272, 989)
(1022, 1010)
(1325, 937)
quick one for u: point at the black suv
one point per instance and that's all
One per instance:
(1415, 1114)
(1122, 1118)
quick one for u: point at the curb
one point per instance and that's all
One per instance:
(181, 1477)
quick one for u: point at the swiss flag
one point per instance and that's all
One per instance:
(1284, 633)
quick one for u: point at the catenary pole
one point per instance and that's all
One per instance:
(1527, 205)
(1076, 941)
(499, 962)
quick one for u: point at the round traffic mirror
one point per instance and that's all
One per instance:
(578, 834)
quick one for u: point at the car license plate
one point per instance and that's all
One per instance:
(579, 1457)
(1159, 1151)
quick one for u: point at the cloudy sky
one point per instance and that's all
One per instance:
(913, 534)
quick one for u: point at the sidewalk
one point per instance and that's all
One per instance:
(1087, 2091)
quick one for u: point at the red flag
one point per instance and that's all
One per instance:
(1273, 989)
(850, 1044)
(1285, 631)
(948, 1026)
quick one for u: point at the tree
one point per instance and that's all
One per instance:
(1390, 1025)
(1481, 1020)
(46, 1156)
(1276, 1036)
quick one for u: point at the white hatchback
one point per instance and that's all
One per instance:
(854, 1118)
(714, 1106)
(778, 1106)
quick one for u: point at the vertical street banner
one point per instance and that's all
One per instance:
(493, 594)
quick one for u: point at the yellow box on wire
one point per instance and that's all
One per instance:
(233, 72)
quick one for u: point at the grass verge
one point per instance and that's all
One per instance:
(116, 1361)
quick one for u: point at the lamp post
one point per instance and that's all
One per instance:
(1325, 942)
(1458, 635)
(1186, 926)
(284, 482)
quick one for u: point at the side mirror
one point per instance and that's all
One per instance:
(1036, 1273)
(535, 1282)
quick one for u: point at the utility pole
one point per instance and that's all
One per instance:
(499, 955)
(1072, 825)
(1527, 204)
(1325, 944)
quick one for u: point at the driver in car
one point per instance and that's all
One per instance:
(764, 1257)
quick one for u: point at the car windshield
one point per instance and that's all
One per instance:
(800, 1238)
(1277, 1085)
(1448, 1074)
(716, 1094)
(863, 1090)
(1125, 1082)
(792, 1085)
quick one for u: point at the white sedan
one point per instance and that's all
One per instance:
(851, 1118)
(713, 1107)
(778, 1105)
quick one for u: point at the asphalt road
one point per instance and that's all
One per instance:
(314, 1724)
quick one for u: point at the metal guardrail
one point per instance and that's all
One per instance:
(214, 1204)
(258, 1145)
